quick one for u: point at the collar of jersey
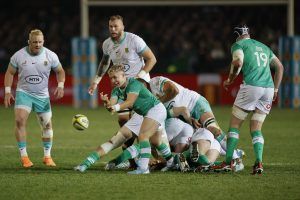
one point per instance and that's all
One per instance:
(121, 39)
(27, 50)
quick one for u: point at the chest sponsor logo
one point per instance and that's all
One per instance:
(34, 79)
(126, 67)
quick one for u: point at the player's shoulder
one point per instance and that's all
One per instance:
(132, 36)
(20, 52)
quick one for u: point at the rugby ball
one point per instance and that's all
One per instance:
(80, 122)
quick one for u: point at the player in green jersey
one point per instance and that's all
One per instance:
(149, 118)
(255, 95)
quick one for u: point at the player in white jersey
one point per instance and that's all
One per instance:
(127, 49)
(33, 64)
(172, 94)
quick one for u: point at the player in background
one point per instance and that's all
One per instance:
(33, 64)
(127, 49)
(172, 94)
(153, 114)
(255, 95)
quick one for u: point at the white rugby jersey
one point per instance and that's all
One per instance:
(127, 52)
(34, 70)
(185, 97)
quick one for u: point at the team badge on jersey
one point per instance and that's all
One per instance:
(45, 62)
(126, 50)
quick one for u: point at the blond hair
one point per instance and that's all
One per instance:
(116, 17)
(116, 68)
(35, 32)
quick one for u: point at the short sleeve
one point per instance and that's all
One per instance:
(105, 47)
(134, 87)
(114, 93)
(14, 61)
(140, 44)
(54, 60)
(235, 47)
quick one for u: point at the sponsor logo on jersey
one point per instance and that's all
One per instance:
(126, 67)
(45, 62)
(34, 79)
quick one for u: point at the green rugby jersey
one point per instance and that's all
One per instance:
(256, 64)
(145, 100)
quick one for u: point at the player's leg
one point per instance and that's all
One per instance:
(21, 116)
(23, 106)
(257, 139)
(44, 114)
(163, 148)
(116, 141)
(201, 143)
(237, 118)
(47, 136)
(263, 108)
(155, 118)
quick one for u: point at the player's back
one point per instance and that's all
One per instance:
(185, 97)
(256, 63)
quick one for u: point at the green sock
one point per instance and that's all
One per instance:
(129, 153)
(232, 140)
(222, 139)
(165, 151)
(217, 162)
(203, 160)
(91, 159)
(258, 145)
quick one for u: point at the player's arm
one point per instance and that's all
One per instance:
(275, 62)
(8, 80)
(183, 111)
(169, 90)
(128, 103)
(150, 61)
(235, 67)
(102, 69)
(61, 78)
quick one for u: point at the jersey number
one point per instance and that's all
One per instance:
(261, 58)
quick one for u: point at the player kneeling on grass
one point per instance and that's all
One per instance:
(139, 99)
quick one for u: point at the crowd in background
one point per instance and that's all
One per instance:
(192, 39)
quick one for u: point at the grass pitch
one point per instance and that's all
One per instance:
(281, 178)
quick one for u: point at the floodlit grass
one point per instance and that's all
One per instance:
(280, 180)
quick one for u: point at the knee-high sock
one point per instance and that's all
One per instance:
(129, 153)
(258, 145)
(145, 154)
(165, 151)
(232, 140)
(91, 159)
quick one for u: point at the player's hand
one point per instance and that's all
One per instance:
(226, 84)
(92, 88)
(59, 92)
(7, 99)
(195, 123)
(105, 99)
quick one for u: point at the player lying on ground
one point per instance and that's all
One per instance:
(172, 94)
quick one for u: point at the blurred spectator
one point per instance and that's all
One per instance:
(191, 39)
